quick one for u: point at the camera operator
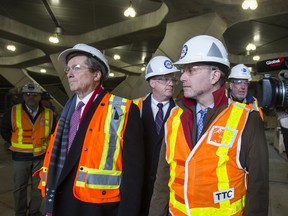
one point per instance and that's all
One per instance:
(238, 88)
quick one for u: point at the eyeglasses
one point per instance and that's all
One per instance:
(241, 82)
(166, 80)
(75, 68)
(191, 70)
(31, 94)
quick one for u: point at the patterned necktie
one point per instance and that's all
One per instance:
(200, 122)
(74, 123)
(159, 117)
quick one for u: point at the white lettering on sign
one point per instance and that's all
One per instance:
(272, 61)
(220, 196)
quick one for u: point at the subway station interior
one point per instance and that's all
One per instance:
(160, 27)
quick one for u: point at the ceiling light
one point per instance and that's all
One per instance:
(250, 47)
(54, 38)
(143, 68)
(11, 47)
(43, 70)
(116, 57)
(256, 58)
(111, 74)
(249, 4)
(130, 11)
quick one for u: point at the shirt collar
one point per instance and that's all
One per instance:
(85, 99)
(198, 107)
(155, 102)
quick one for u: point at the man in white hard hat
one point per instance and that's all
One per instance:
(94, 163)
(215, 157)
(27, 126)
(238, 87)
(156, 106)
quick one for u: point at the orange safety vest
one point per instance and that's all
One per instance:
(28, 137)
(139, 103)
(208, 180)
(100, 167)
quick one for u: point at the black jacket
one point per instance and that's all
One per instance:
(152, 146)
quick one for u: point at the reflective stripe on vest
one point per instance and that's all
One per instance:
(252, 106)
(98, 178)
(220, 145)
(175, 166)
(43, 172)
(139, 103)
(43, 136)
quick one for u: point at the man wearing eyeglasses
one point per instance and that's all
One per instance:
(94, 163)
(215, 158)
(155, 109)
(238, 88)
(27, 126)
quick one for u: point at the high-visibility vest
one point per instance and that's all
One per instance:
(254, 106)
(208, 180)
(139, 103)
(99, 171)
(28, 137)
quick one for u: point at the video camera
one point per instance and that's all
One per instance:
(272, 92)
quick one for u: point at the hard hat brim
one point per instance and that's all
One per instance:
(150, 75)
(62, 58)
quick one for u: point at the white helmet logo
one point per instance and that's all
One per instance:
(168, 64)
(244, 70)
(184, 51)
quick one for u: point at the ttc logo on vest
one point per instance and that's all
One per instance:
(223, 195)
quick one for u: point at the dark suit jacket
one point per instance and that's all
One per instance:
(132, 176)
(152, 146)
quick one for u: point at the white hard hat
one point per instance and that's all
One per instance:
(62, 58)
(240, 71)
(159, 65)
(31, 88)
(204, 48)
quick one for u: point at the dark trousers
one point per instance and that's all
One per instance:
(22, 173)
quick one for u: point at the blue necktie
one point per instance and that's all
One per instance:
(200, 123)
(159, 117)
(74, 123)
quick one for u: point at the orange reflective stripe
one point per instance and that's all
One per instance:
(43, 172)
(139, 103)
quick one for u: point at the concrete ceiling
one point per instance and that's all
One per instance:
(160, 27)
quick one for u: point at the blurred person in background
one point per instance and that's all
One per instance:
(239, 78)
(282, 116)
(27, 126)
(46, 101)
